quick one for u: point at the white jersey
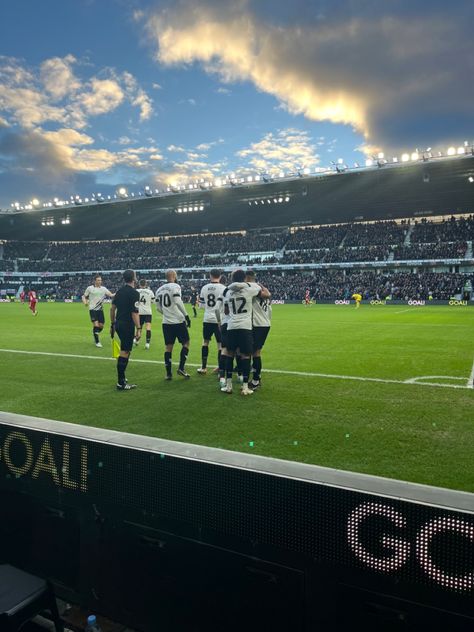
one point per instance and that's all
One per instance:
(147, 297)
(208, 298)
(262, 312)
(223, 307)
(96, 296)
(169, 301)
(240, 298)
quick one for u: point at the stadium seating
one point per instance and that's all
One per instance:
(382, 241)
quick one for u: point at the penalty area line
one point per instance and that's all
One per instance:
(329, 376)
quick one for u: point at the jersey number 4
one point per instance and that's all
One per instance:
(238, 309)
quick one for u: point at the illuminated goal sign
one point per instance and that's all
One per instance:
(281, 508)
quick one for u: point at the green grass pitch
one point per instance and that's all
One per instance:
(380, 425)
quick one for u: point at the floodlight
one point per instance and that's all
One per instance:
(380, 155)
(451, 151)
(369, 162)
(415, 155)
(471, 179)
(460, 150)
(122, 191)
(405, 157)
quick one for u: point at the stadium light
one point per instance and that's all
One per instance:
(148, 191)
(35, 202)
(380, 155)
(415, 155)
(470, 179)
(395, 159)
(122, 191)
(369, 162)
(451, 151)
(460, 150)
(405, 157)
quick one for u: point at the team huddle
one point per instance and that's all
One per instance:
(237, 316)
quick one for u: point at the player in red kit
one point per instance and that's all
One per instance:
(33, 299)
(22, 297)
(307, 298)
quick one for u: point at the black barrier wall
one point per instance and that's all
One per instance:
(160, 535)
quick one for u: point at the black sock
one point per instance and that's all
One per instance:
(219, 353)
(204, 355)
(195, 312)
(222, 365)
(245, 364)
(257, 368)
(238, 361)
(168, 362)
(182, 358)
(148, 335)
(121, 366)
(94, 333)
(229, 367)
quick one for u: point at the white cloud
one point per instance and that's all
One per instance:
(288, 149)
(225, 91)
(105, 95)
(58, 78)
(124, 140)
(176, 148)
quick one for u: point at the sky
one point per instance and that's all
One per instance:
(98, 94)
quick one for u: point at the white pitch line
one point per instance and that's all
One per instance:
(470, 382)
(330, 376)
(410, 309)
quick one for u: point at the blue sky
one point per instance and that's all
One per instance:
(100, 93)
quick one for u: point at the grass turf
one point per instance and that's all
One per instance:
(413, 432)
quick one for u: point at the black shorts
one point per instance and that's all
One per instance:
(126, 335)
(259, 336)
(211, 329)
(240, 339)
(97, 314)
(145, 318)
(179, 331)
(224, 337)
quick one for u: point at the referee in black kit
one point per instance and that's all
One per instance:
(125, 320)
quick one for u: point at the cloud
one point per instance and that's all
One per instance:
(225, 91)
(58, 78)
(287, 150)
(124, 140)
(54, 94)
(176, 148)
(395, 71)
(104, 96)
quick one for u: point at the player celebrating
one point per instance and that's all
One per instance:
(94, 298)
(261, 320)
(147, 297)
(175, 322)
(208, 299)
(33, 300)
(239, 328)
(357, 298)
(124, 319)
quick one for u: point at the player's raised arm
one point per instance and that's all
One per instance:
(264, 292)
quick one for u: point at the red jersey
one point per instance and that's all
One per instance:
(32, 296)
(22, 296)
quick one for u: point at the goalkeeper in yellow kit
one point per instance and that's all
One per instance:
(357, 298)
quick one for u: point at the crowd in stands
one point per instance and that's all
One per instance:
(456, 250)
(291, 286)
(343, 243)
(461, 229)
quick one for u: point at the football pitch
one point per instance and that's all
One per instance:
(384, 390)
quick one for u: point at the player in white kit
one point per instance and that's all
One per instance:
(208, 300)
(261, 321)
(147, 298)
(175, 322)
(93, 298)
(239, 328)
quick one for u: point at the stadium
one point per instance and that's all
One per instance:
(240, 399)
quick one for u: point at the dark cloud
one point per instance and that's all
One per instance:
(398, 71)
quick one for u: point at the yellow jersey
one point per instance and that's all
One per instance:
(357, 297)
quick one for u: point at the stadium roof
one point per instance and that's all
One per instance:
(407, 190)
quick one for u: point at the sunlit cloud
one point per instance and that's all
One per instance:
(388, 75)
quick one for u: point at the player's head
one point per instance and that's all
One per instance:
(97, 280)
(143, 282)
(171, 276)
(223, 279)
(250, 276)
(238, 276)
(129, 276)
(215, 274)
